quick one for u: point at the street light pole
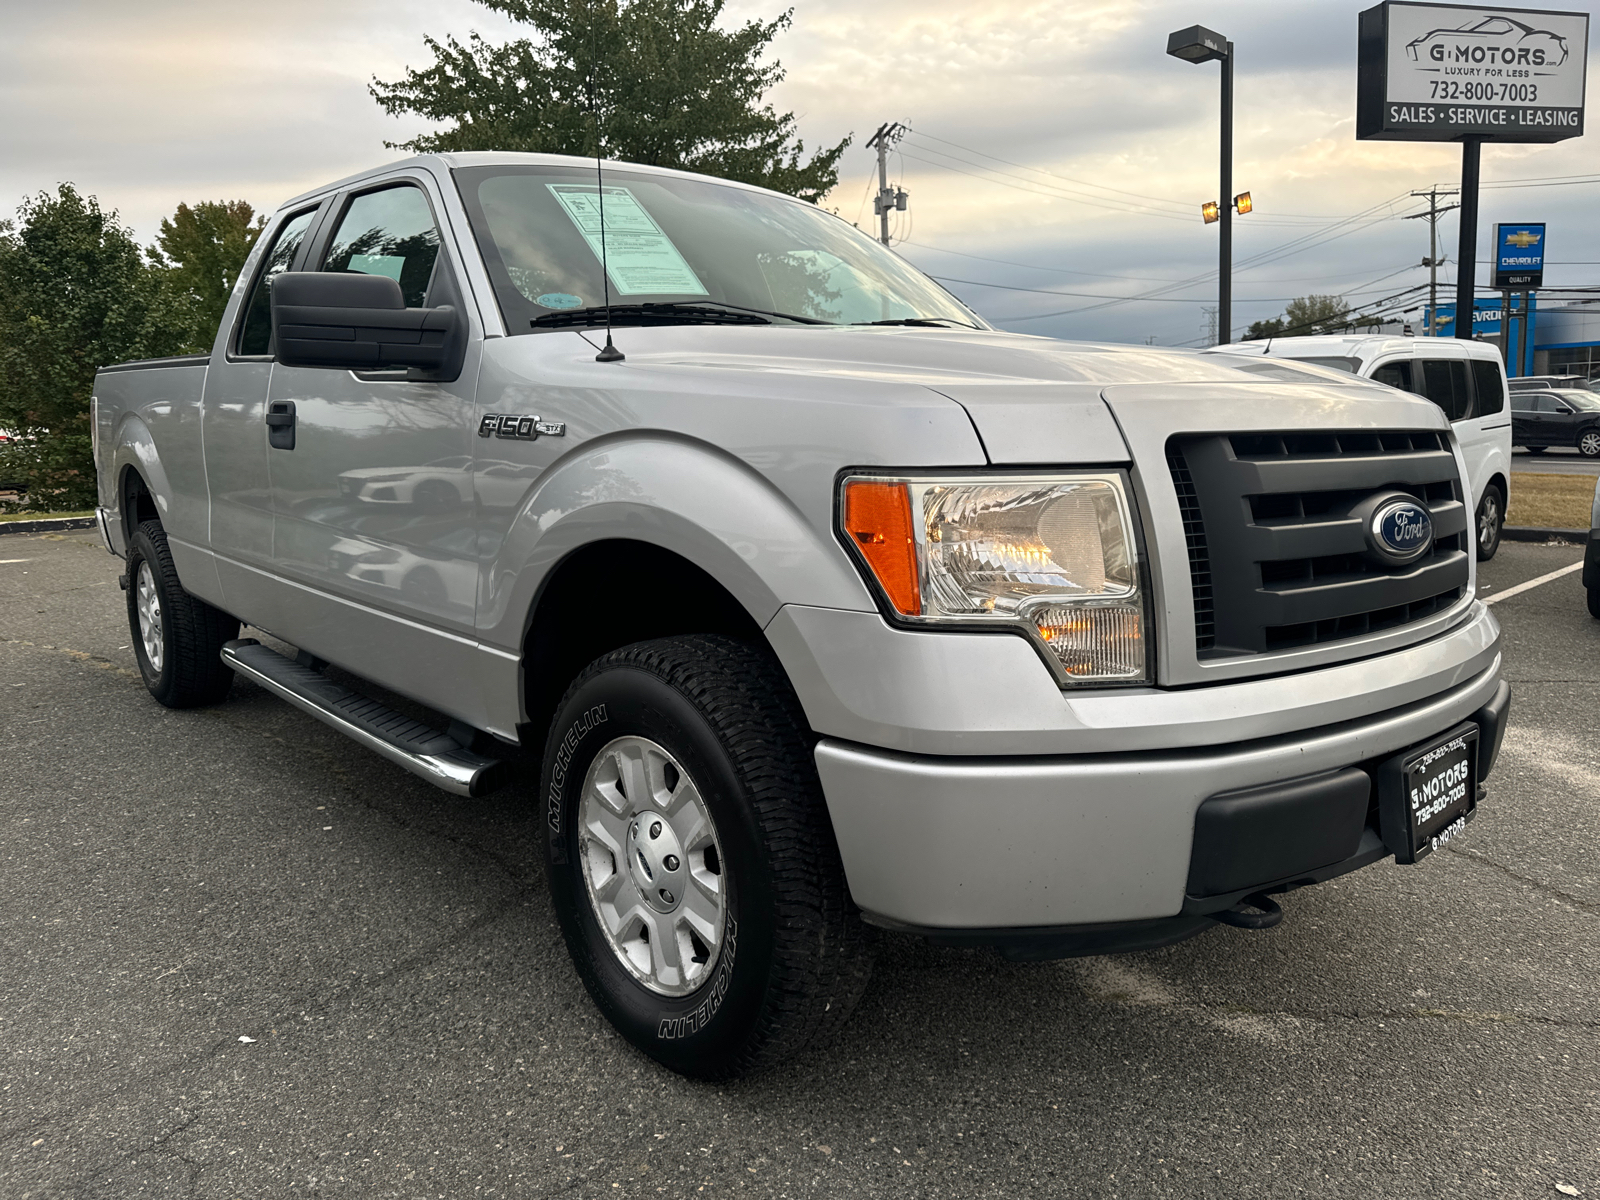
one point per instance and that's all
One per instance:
(1197, 44)
(1225, 248)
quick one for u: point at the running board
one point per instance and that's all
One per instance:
(420, 749)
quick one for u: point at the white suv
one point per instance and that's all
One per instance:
(1466, 379)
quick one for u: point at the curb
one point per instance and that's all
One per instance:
(46, 525)
(1534, 533)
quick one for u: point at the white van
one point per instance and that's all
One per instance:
(1466, 379)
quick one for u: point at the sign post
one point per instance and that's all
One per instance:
(1469, 74)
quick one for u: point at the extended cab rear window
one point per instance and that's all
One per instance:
(255, 335)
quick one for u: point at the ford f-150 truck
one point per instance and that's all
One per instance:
(822, 607)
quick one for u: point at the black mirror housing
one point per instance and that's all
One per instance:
(357, 322)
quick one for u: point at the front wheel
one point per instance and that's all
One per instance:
(692, 863)
(177, 639)
(1490, 520)
(1589, 443)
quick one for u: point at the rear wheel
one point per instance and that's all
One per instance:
(1594, 601)
(692, 863)
(1589, 443)
(177, 639)
(1490, 520)
(1536, 449)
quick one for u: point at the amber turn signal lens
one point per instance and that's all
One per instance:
(877, 517)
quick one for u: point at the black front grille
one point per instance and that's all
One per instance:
(1278, 554)
(1194, 533)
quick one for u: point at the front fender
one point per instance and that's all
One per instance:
(678, 494)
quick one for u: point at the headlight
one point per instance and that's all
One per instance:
(1053, 557)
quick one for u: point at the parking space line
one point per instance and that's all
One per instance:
(1533, 583)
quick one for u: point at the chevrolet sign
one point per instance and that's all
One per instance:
(1518, 257)
(1440, 72)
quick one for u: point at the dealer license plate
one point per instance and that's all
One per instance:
(1440, 790)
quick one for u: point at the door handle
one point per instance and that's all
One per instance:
(280, 424)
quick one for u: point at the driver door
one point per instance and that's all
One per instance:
(372, 493)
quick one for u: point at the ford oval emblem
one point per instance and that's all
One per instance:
(1401, 530)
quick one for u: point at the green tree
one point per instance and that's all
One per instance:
(205, 248)
(1272, 327)
(663, 83)
(1315, 314)
(75, 294)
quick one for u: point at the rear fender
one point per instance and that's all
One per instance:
(681, 495)
(134, 449)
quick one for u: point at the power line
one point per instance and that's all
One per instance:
(1053, 270)
(1054, 175)
(1164, 299)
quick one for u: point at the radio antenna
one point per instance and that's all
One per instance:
(610, 353)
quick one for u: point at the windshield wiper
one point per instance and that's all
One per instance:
(927, 322)
(674, 312)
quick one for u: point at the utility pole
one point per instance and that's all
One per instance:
(1433, 260)
(888, 199)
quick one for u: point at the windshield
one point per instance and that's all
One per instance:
(1582, 401)
(682, 250)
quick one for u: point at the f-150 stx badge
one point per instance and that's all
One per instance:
(519, 427)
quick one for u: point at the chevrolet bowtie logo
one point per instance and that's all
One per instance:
(1522, 239)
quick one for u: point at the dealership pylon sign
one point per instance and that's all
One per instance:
(1444, 72)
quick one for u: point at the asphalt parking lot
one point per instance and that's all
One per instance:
(244, 958)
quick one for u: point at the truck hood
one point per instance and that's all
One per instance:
(1031, 399)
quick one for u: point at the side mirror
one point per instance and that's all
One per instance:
(356, 322)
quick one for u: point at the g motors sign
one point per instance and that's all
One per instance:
(1439, 72)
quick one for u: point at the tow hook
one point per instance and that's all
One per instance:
(1269, 914)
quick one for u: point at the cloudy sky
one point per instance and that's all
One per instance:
(1057, 160)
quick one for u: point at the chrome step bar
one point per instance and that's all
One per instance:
(420, 749)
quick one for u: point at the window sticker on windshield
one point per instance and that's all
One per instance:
(558, 300)
(641, 258)
(378, 264)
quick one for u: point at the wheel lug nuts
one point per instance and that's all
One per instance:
(655, 830)
(670, 862)
(666, 896)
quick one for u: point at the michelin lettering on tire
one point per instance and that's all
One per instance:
(692, 1023)
(558, 775)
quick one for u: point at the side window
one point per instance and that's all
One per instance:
(1524, 402)
(390, 232)
(1552, 404)
(255, 337)
(1489, 387)
(1446, 382)
(1396, 375)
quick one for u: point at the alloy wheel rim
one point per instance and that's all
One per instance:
(148, 603)
(1488, 519)
(1590, 444)
(652, 866)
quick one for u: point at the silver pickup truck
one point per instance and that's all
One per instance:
(817, 606)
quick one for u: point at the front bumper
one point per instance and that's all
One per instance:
(989, 849)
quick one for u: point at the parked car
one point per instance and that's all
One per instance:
(1540, 420)
(816, 602)
(1466, 380)
(1542, 383)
